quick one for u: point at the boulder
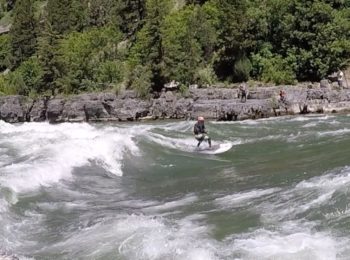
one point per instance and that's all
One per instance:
(130, 109)
(95, 111)
(74, 111)
(54, 110)
(13, 109)
(38, 111)
(324, 84)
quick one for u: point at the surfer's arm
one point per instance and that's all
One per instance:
(195, 130)
(204, 130)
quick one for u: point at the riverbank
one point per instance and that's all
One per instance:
(213, 103)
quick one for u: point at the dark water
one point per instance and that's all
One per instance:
(141, 191)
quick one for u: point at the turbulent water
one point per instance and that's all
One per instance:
(141, 191)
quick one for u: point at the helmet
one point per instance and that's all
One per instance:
(200, 118)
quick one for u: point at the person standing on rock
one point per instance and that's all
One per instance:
(243, 93)
(340, 77)
(200, 133)
(282, 96)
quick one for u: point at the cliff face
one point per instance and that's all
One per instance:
(213, 103)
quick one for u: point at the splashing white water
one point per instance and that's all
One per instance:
(266, 245)
(49, 153)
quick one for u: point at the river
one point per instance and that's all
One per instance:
(141, 191)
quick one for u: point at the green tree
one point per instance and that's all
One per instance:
(48, 57)
(148, 49)
(23, 32)
(10, 4)
(317, 35)
(79, 15)
(5, 49)
(232, 43)
(59, 15)
(99, 12)
(129, 15)
(189, 39)
(90, 60)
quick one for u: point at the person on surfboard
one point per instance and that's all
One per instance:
(200, 133)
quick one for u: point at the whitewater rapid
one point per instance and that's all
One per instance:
(141, 191)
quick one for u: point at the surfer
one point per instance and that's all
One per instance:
(200, 133)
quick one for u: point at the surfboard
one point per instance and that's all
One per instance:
(214, 149)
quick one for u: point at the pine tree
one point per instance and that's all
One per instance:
(59, 15)
(148, 49)
(129, 15)
(233, 42)
(10, 4)
(57, 22)
(23, 32)
(99, 11)
(48, 58)
(79, 15)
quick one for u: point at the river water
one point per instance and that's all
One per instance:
(141, 191)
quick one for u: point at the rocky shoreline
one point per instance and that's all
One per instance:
(212, 103)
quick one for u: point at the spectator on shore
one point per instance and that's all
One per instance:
(340, 77)
(243, 93)
(282, 96)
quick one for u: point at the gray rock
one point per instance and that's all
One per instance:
(74, 110)
(95, 111)
(54, 110)
(128, 94)
(212, 103)
(13, 109)
(262, 94)
(38, 111)
(325, 84)
(130, 109)
(213, 94)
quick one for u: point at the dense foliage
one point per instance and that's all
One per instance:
(71, 46)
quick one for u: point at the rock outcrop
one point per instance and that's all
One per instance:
(213, 103)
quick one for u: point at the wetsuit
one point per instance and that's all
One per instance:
(201, 134)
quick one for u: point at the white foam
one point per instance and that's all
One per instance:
(244, 122)
(265, 244)
(310, 117)
(244, 197)
(142, 237)
(188, 200)
(184, 144)
(301, 119)
(331, 181)
(3, 205)
(188, 144)
(53, 151)
(222, 148)
(309, 125)
(182, 126)
(318, 201)
(335, 132)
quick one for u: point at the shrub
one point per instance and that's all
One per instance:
(242, 69)
(140, 80)
(31, 73)
(205, 76)
(273, 68)
(90, 60)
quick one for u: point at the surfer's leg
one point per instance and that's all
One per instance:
(200, 139)
(207, 139)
